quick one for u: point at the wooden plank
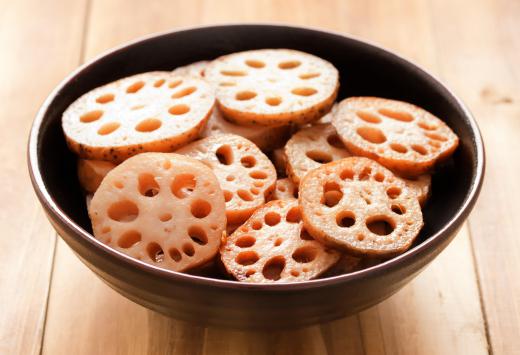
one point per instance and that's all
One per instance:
(481, 64)
(442, 304)
(439, 312)
(37, 53)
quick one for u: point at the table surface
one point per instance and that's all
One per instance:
(466, 302)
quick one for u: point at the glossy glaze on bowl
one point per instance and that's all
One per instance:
(364, 70)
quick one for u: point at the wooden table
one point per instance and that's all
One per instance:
(466, 302)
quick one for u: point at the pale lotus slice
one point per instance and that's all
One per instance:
(194, 69)
(273, 87)
(165, 209)
(358, 205)
(266, 138)
(92, 172)
(245, 174)
(422, 186)
(155, 111)
(405, 138)
(311, 147)
(272, 246)
(285, 190)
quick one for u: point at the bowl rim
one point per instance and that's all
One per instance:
(374, 271)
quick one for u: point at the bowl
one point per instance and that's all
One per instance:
(365, 69)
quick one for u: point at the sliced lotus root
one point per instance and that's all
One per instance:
(272, 246)
(280, 161)
(285, 189)
(273, 87)
(266, 138)
(155, 111)
(345, 265)
(194, 69)
(422, 187)
(399, 135)
(328, 117)
(311, 147)
(245, 174)
(358, 205)
(164, 209)
(92, 172)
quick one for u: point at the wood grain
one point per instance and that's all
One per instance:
(32, 62)
(482, 66)
(437, 313)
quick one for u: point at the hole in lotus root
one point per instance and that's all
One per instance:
(230, 177)
(108, 128)
(305, 254)
(379, 177)
(380, 225)
(335, 141)
(245, 195)
(365, 173)
(319, 156)
(399, 148)
(167, 164)
(398, 209)
(245, 241)
(295, 273)
(165, 217)
(184, 92)
(309, 76)
(419, 149)
(278, 242)
(188, 249)
(123, 211)
(289, 64)
(148, 125)
(426, 126)
(331, 194)
(233, 73)
(272, 218)
(147, 185)
(273, 268)
(294, 215)
(248, 161)
(360, 237)
(436, 137)
(345, 219)
(118, 184)
(434, 144)
(91, 116)
(393, 192)
(245, 95)
(371, 134)
(104, 99)
(135, 87)
(179, 109)
(247, 258)
(273, 101)
(396, 115)
(159, 83)
(304, 235)
(128, 239)
(225, 154)
(304, 91)
(200, 208)
(368, 117)
(256, 225)
(253, 63)
(155, 252)
(174, 84)
(228, 195)
(258, 174)
(175, 254)
(227, 83)
(254, 191)
(198, 235)
(183, 185)
(346, 174)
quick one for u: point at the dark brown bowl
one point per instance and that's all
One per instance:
(365, 70)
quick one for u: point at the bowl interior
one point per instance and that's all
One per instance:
(364, 70)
